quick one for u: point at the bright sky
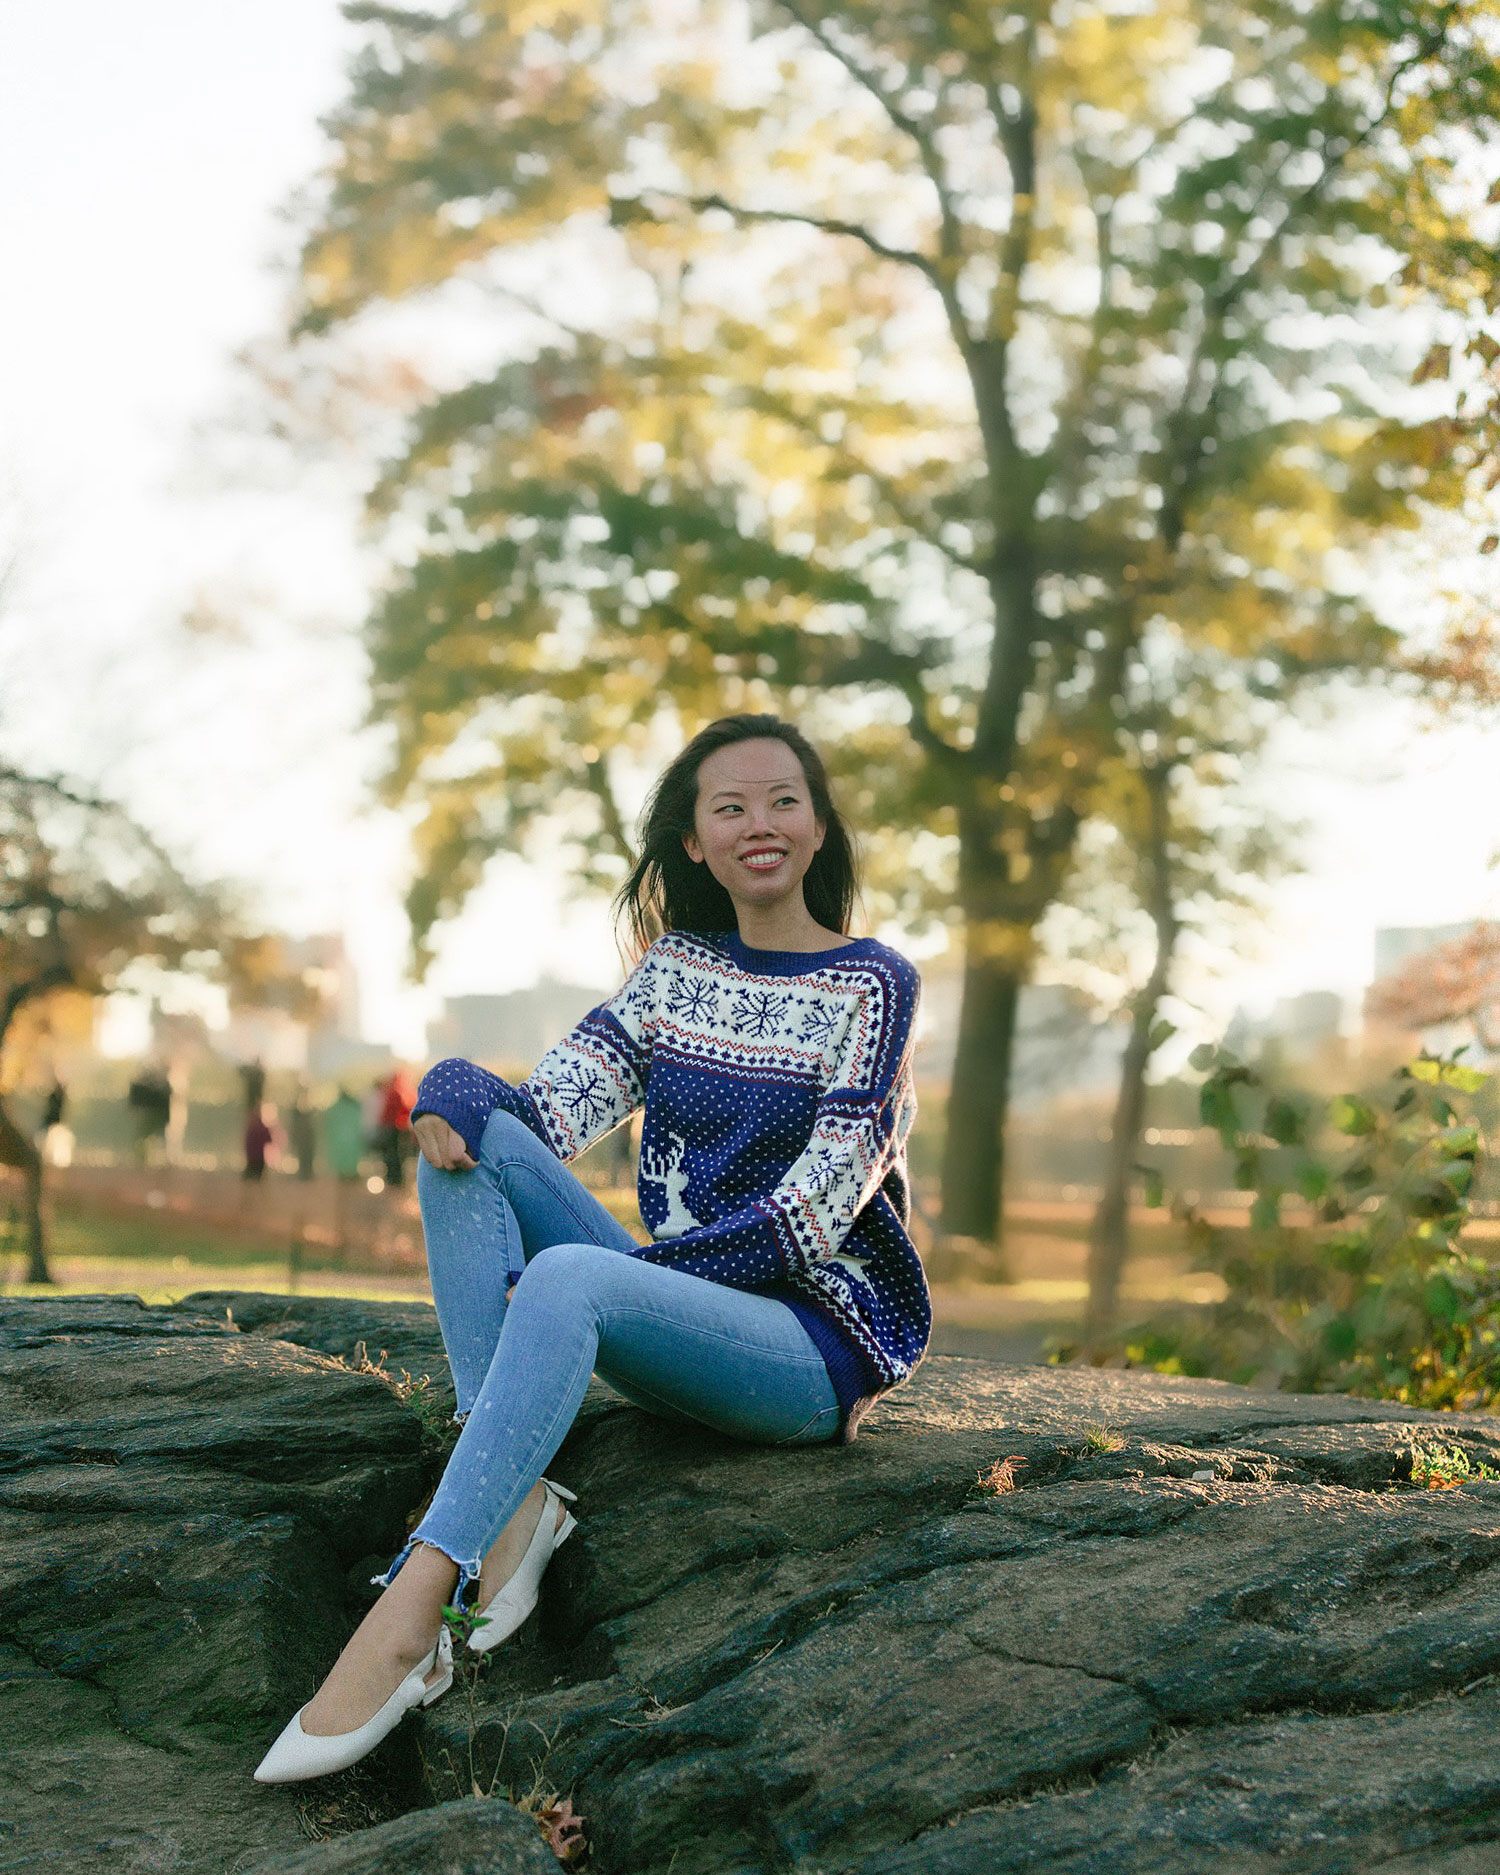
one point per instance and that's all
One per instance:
(144, 155)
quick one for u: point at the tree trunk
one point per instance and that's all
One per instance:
(1109, 1237)
(974, 1149)
(17, 1150)
(36, 1229)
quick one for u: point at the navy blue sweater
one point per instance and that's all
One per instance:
(778, 1097)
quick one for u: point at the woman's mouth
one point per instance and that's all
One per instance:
(766, 860)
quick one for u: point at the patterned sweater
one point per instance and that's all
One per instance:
(778, 1097)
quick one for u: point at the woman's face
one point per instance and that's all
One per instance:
(754, 826)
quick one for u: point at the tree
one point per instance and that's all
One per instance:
(85, 894)
(1183, 845)
(945, 351)
(1455, 981)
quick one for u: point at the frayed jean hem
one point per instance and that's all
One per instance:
(468, 1572)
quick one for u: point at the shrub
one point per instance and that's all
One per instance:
(1352, 1275)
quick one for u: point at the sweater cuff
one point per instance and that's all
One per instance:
(464, 1095)
(462, 1119)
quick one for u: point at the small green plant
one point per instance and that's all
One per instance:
(1102, 1438)
(1439, 1467)
(1352, 1274)
(417, 1394)
(553, 1813)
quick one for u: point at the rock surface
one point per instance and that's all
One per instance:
(860, 1660)
(470, 1836)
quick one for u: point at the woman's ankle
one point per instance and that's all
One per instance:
(423, 1587)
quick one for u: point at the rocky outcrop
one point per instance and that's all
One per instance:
(183, 1507)
(1188, 1625)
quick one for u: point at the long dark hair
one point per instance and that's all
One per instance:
(668, 891)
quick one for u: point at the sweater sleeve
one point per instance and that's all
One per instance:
(858, 1135)
(581, 1089)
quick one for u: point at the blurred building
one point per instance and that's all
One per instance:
(1395, 943)
(1062, 1047)
(326, 1042)
(1301, 1023)
(516, 1028)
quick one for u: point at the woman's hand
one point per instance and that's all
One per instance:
(440, 1145)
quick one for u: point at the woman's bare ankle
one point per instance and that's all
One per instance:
(394, 1636)
(415, 1601)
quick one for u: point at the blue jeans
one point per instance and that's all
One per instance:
(678, 1345)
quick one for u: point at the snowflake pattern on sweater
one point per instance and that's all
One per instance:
(778, 1098)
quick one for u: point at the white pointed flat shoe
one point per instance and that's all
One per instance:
(298, 1754)
(506, 1610)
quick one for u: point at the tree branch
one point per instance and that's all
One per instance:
(1018, 132)
(852, 230)
(950, 243)
(609, 806)
(873, 661)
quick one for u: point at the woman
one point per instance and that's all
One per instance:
(780, 1294)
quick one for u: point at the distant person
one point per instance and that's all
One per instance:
(344, 1137)
(253, 1080)
(302, 1132)
(54, 1138)
(149, 1098)
(260, 1137)
(393, 1126)
(175, 1131)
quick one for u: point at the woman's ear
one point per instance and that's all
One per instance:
(692, 848)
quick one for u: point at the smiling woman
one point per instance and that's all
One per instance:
(751, 817)
(780, 1295)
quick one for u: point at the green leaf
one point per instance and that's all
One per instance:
(1425, 1068)
(1160, 1031)
(1204, 1056)
(1339, 1337)
(1352, 1115)
(1312, 1181)
(1283, 1121)
(1459, 1142)
(1440, 1297)
(1466, 1080)
(1265, 1213)
(1151, 1186)
(1459, 1176)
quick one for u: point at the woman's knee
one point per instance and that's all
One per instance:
(507, 1138)
(567, 1271)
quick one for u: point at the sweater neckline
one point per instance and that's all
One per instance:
(790, 963)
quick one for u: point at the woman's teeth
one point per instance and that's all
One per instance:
(762, 862)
